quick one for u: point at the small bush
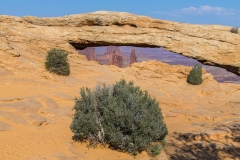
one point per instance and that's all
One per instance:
(195, 75)
(155, 150)
(164, 142)
(234, 30)
(57, 62)
(122, 116)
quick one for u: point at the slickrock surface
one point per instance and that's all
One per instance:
(212, 44)
(36, 106)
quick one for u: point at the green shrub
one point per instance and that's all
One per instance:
(164, 142)
(195, 75)
(155, 150)
(234, 30)
(122, 116)
(57, 62)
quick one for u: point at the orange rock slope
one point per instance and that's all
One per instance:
(36, 106)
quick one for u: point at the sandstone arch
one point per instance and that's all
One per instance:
(209, 44)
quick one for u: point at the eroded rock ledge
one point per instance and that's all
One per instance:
(211, 44)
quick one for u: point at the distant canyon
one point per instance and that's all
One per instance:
(124, 56)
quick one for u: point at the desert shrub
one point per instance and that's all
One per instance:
(155, 150)
(57, 62)
(164, 142)
(234, 30)
(195, 75)
(122, 116)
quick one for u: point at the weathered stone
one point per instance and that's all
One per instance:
(211, 44)
(4, 126)
(38, 120)
(215, 134)
(13, 117)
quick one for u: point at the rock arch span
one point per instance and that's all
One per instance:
(209, 44)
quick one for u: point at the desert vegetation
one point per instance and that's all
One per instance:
(120, 115)
(155, 150)
(57, 62)
(195, 75)
(234, 30)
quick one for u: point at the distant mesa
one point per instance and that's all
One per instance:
(89, 52)
(112, 56)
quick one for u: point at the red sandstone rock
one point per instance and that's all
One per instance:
(113, 56)
(116, 60)
(116, 50)
(89, 53)
(133, 57)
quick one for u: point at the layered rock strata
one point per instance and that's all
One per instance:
(209, 44)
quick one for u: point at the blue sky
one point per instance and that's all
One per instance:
(223, 12)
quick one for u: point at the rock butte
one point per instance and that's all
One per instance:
(210, 44)
(36, 106)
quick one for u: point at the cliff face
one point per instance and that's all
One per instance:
(210, 44)
(116, 60)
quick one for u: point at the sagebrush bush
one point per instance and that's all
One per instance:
(164, 142)
(155, 150)
(195, 75)
(57, 62)
(122, 116)
(234, 30)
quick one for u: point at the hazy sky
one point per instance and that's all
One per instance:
(224, 12)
